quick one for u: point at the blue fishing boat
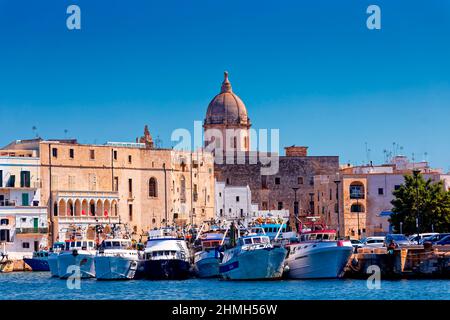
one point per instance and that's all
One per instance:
(39, 261)
(207, 260)
(254, 258)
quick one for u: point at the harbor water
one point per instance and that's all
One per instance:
(39, 285)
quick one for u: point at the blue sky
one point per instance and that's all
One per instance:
(310, 68)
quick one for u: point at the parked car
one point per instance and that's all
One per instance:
(444, 240)
(371, 242)
(435, 238)
(414, 237)
(400, 239)
(355, 243)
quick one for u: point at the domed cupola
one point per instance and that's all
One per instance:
(227, 108)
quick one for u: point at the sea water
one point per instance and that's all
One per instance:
(39, 285)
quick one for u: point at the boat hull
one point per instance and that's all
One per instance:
(207, 267)
(115, 268)
(53, 264)
(319, 263)
(82, 260)
(258, 264)
(170, 269)
(37, 264)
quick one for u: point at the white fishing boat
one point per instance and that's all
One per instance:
(254, 258)
(318, 254)
(208, 258)
(166, 256)
(53, 258)
(116, 260)
(78, 255)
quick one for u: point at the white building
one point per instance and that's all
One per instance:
(232, 202)
(23, 222)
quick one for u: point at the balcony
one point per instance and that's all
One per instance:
(23, 210)
(87, 219)
(31, 231)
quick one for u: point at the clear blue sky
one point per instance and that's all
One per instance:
(310, 68)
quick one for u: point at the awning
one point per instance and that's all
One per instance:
(386, 213)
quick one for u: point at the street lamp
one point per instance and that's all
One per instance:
(295, 201)
(416, 173)
(357, 212)
(337, 206)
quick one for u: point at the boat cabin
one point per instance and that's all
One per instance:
(250, 240)
(319, 235)
(116, 244)
(40, 254)
(57, 247)
(79, 245)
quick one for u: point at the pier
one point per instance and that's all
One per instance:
(404, 263)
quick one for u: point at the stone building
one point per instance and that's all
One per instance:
(135, 184)
(127, 182)
(289, 187)
(364, 195)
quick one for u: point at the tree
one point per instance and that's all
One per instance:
(430, 199)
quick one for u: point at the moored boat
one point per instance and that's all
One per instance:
(254, 258)
(116, 260)
(78, 255)
(52, 259)
(166, 256)
(39, 261)
(318, 254)
(208, 258)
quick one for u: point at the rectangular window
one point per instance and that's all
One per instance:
(25, 178)
(280, 205)
(300, 180)
(237, 199)
(264, 182)
(26, 245)
(129, 159)
(71, 153)
(396, 187)
(195, 193)
(92, 154)
(130, 212)
(116, 184)
(242, 213)
(1, 178)
(54, 181)
(115, 154)
(71, 182)
(4, 235)
(55, 153)
(92, 182)
(277, 180)
(265, 205)
(25, 199)
(380, 191)
(130, 187)
(11, 183)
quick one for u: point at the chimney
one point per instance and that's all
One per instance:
(294, 151)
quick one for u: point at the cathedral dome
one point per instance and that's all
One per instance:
(227, 108)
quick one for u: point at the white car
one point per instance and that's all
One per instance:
(372, 242)
(413, 238)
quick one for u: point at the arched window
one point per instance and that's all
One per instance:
(152, 188)
(356, 190)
